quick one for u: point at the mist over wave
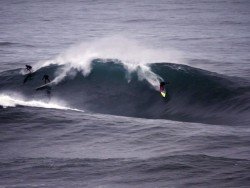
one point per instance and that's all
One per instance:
(127, 52)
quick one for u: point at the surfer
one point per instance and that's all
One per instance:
(162, 86)
(46, 78)
(29, 75)
(29, 68)
(163, 89)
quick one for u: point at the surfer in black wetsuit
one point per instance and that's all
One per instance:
(46, 78)
(162, 86)
(29, 68)
(29, 75)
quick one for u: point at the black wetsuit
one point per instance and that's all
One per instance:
(162, 86)
(28, 67)
(46, 78)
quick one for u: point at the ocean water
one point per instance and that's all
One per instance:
(102, 122)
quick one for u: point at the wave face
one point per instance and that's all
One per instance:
(193, 94)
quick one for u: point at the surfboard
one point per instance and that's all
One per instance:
(45, 86)
(163, 93)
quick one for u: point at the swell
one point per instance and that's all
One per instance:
(132, 172)
(13, 44)
(193, 94)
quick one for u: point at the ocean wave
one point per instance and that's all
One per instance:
(194, 94)
(7, 44)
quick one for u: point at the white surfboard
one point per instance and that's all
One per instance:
(45, 86)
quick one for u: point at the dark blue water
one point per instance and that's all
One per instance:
(102, 122)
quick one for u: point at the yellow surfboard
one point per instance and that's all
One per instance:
(163, 93)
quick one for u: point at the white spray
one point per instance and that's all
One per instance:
(133, 56)
(7, 100)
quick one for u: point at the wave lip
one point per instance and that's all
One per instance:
(8, 101)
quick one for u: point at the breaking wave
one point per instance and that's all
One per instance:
(193, 94)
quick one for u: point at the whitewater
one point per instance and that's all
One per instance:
(102, 121)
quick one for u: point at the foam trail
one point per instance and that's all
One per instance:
(128, 52)
(144, 73)
(9, 101)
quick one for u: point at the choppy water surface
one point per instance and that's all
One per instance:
(102, 121)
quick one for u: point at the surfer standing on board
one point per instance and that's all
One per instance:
(29, 68)
(46, 78)
(29, 75)
(163, 89)
(162, 86)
